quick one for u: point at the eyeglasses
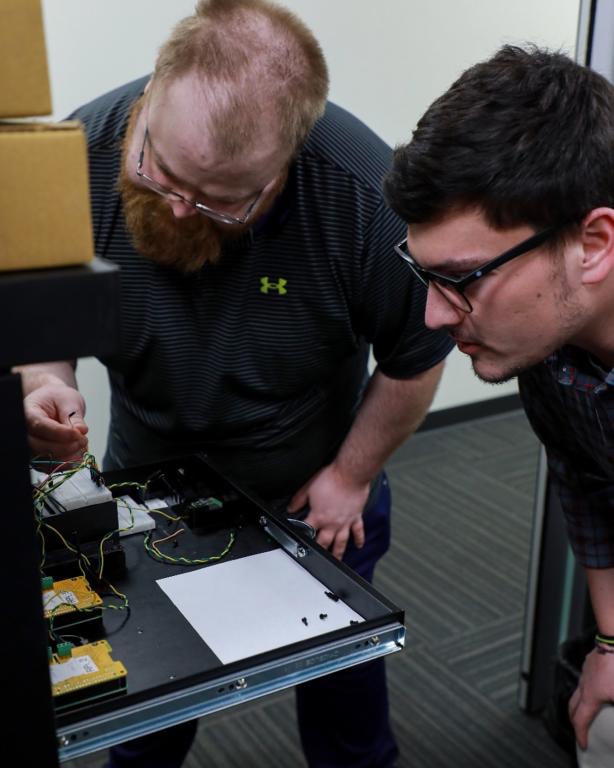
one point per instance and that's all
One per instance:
(453, 288)
(155, 186)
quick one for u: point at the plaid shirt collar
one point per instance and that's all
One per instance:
(573, 367)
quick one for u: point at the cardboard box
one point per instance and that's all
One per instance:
(45, 218)
(24, 80)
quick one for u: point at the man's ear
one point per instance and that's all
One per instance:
(597, 241)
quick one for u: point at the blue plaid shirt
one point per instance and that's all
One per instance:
(569, 401)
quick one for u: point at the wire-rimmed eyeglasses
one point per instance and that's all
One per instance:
(453, 288)
(155, 186)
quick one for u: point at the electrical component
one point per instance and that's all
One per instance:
(47, 582)
(133, 517)
(73, 506)
(72, 491)
(87, 673)
(71, 602)
(64, 650)
(205, 513)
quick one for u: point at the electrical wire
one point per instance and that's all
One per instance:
(152, 550)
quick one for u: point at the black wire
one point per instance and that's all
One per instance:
(126, 612)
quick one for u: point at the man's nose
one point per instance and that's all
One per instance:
(180, 209)
(439, 311)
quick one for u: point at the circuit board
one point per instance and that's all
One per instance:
(87, 674)
(70, 602)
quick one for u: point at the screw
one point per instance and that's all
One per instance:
(374, 640)
(301, 551)
(241, 683)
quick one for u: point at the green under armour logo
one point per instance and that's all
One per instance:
(279, 286)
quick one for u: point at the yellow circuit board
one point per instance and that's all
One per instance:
(69, 595)
(88, 665)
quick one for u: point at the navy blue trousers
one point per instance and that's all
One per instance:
(343, 717)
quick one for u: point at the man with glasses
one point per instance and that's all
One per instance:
(508, 190)
(256, 273)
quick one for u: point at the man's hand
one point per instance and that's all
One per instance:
(336, 507)
(54, 419)
(596, 688)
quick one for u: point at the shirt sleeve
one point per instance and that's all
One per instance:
(391, 312)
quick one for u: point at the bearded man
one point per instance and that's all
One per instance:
(253, 241)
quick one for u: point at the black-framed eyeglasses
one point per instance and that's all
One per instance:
(155, 186)
(453, 288)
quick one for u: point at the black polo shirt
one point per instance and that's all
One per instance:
(261, 359)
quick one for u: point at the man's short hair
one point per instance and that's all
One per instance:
(256, 61)
(527, 137)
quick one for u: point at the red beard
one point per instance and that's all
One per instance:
(185, 244)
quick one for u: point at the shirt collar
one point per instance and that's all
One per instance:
(573, 366)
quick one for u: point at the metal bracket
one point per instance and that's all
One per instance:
(288, 544)
(212, 696)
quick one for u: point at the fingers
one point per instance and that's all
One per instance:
(75, 420)
(340, 543)
(334, 539)
(358, 533)
(325, 536)
(335, 509)
(80, 426)
(72, 451)
(583, 717)
(582, 713)
(42, 427)
(299, 500)
(574, 700)
(48, 437)
(54, 419)
(325, 532)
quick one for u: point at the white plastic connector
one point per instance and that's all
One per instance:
(73, 492)
(133, 518)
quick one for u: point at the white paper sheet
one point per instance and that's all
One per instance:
(255, 604)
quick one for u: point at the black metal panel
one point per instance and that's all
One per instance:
(24, 676)
(159, 648)
(59, 314)
(45, 315)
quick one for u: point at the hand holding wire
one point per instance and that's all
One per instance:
(55, 425)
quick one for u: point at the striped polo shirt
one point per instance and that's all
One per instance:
(261, 359)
